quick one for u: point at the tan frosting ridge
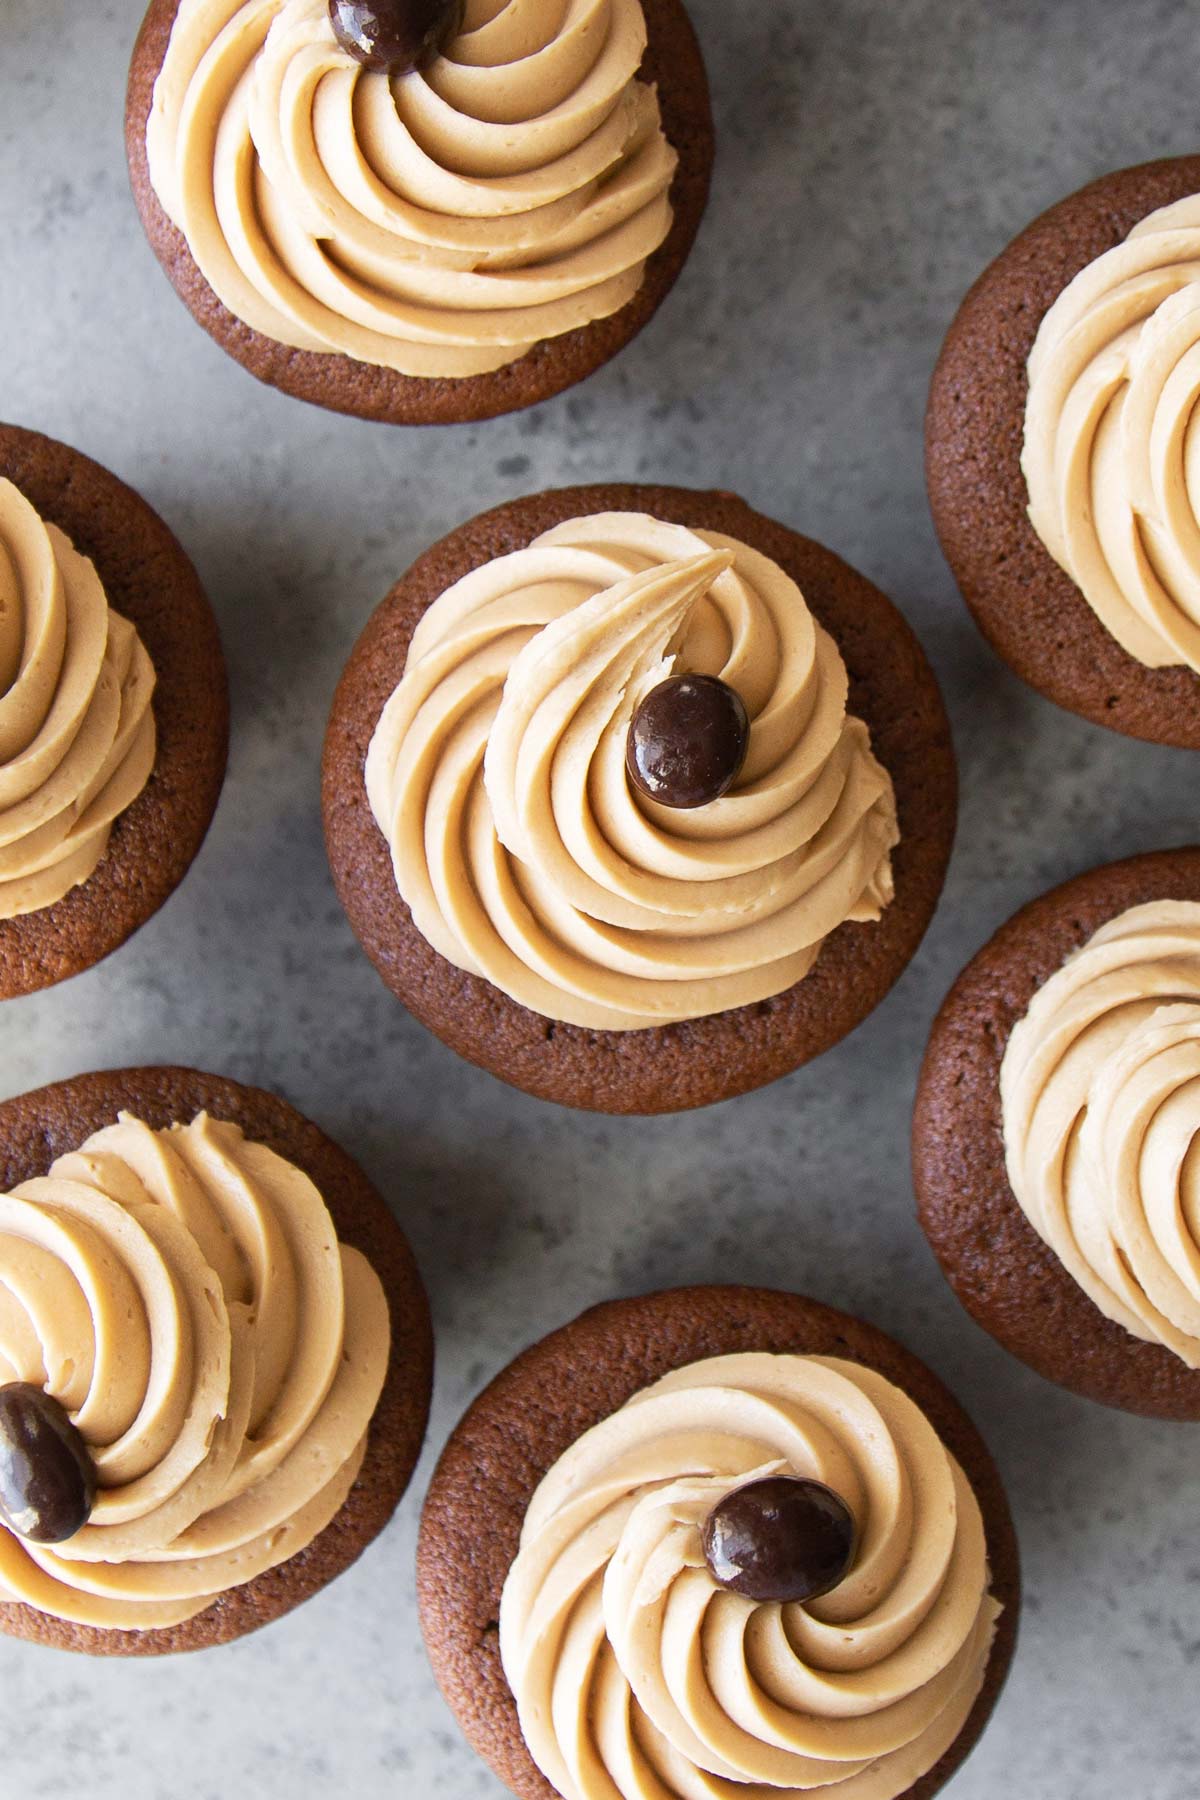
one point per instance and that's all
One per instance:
(1100, 1090)
(184, 1295)
(636, 1674)
(497, 775)
(438, 223)
(77, 737)
(1112, 449)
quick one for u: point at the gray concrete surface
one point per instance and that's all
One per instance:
(872, 156)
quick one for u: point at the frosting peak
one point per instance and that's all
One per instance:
(77, 738)
(1112, 454)
(497, 775)
(635, 1673)
(183, 1294)
(1100, 1091)
(438, 223)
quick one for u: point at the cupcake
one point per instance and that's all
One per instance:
(1059, 452)
(636, 798)
(1056, 1134)
(715, 1541)
(421, 211)
(114, 712)
(215, 1362)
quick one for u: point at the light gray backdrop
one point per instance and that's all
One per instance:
(872, 156)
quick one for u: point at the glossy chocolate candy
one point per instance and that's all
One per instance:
(47, 1481)
(687, 741)
(784, 1538)
(394, 35)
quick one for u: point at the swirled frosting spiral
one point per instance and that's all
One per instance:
(1112, 436)
(77, 734)
(497, 775)
(1100, 1091)
(184, 1295)
(438, 223)
(636, 1674)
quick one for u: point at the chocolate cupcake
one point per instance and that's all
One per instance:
(1058, 455)
(114, 712)
(215, 1362)
(420, 211)
(1056, 1134)
(635, 797)
(718, 1538)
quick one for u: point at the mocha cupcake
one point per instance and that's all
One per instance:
(637, 798)
(413, 233)
(114, 712)
(1060, 452)
(215, 1362)
(1056, 1135)
(718, 1539)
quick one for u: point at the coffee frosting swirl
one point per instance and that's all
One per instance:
(438, 223)
(77, 737)
(183, 1294)
(1100, 1091)
(636, 1674)
(1112, 450)
(497, 775)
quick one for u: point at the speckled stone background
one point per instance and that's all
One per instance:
(872, 155)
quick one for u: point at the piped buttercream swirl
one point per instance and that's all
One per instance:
(1112, 436)
(77, 737)
(183, 1294)
(439, 223)
(1100, 1094)
(497, 775)
(636, 1674)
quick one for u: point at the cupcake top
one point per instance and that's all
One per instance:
(1110, 455)
(1100, 1094)
(77, 736)
(438, 222)
(638, 1658)
(498, 775)
(214, 1350)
